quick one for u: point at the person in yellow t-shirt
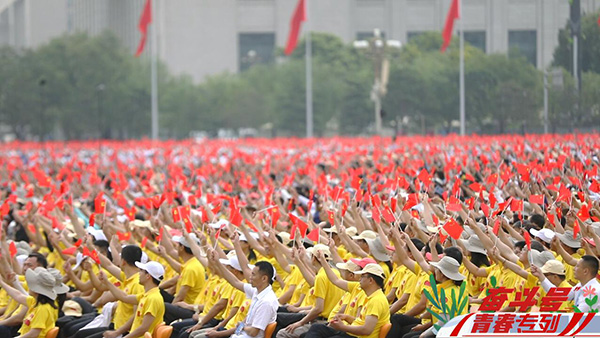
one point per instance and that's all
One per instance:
(151, 306)
(449, 279)
(190, 282)
(42, 310)
(126, 292)
(326, 296)
(234, 304)
(555, 272)
(374, 314)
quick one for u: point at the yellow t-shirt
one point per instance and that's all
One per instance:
(226, 293)
(124, 311)
(448, 287)
(416, 289)
(327, 291)
(240, 316)
(208, 286)
(569, 277)
(342, 252)
(213, 295)
(293, 278)
(13, 307)
(566, 306)
(152, 303)
(194, 276)
(375, 305)
(353, 299)
(474, 284)
(40, 316)
(235, 301)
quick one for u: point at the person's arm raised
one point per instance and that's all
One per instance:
(340, 283)
(229, 277)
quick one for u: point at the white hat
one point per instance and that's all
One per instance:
(377, 249)
(540, 258)
(72, 308)
(285, 237)
(349, 265)
(473, 244)
(41, 282)
(331, 230)
(141, 224)
(78, 259)
(59, 287)
(233, 262)
(97, 234)
(144, 259)
(319, 248)
(155, 269)
(449, 267)
(367, 234)
(218, 224)
(183, 241)
(545, 234)
(554, 266)
(567, 239)
(373, 269)
(351, 231)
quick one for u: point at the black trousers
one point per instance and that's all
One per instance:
(401, 325)
(9, 331)
(97, 332)
(325, 331)
(179, 328)
(286, 318)
(174, 312)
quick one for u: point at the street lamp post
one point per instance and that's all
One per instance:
(377, 49)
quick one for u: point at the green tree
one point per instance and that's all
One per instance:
(589, 46)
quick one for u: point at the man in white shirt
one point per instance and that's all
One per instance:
(588, 287)
(263, 309)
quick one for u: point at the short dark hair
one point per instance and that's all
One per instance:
(40, 259)
(455, 253)
(266, 269)
(520, 244)
(418, 243)
(591, 262)
(131, 254)
(41, 299)
(377, 280)
(538, 220)
(535, 245)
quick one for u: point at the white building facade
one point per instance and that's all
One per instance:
(207, 37)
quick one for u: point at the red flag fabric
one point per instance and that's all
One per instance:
(583, 214)
(496, 227)
(70, 251)
(537, 199)
(176, 215)
(388, 215)
(297, 19)
(123, 236)
(576, 230)
(527, 239)
(453, 229)
(313, 235)
(12, 249)
(145, 20)
(144, 241)
(453, 14)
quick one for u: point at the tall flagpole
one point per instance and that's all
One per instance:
(462, 70)
(309, 92)
(154, 76)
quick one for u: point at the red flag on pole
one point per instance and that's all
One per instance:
(145, 20)
(297, 19)
(453, 14)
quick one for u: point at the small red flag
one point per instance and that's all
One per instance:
(453, 229)
(297, 19)
(92, 219)
(69, 251)
(583, 214)
(388, 215)
(496, 229)
(78, 243)
(453, 14)
(454, 207)
(144, 241)
(313, 235)
(537, 199)
(527, 239)
(123, 236)
(176, 215)
(99, 204)
(576, 230)
(12, 249)
(376, 215)
(160, 235)
(145, 20)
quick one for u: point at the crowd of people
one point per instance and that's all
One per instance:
(293, 238)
